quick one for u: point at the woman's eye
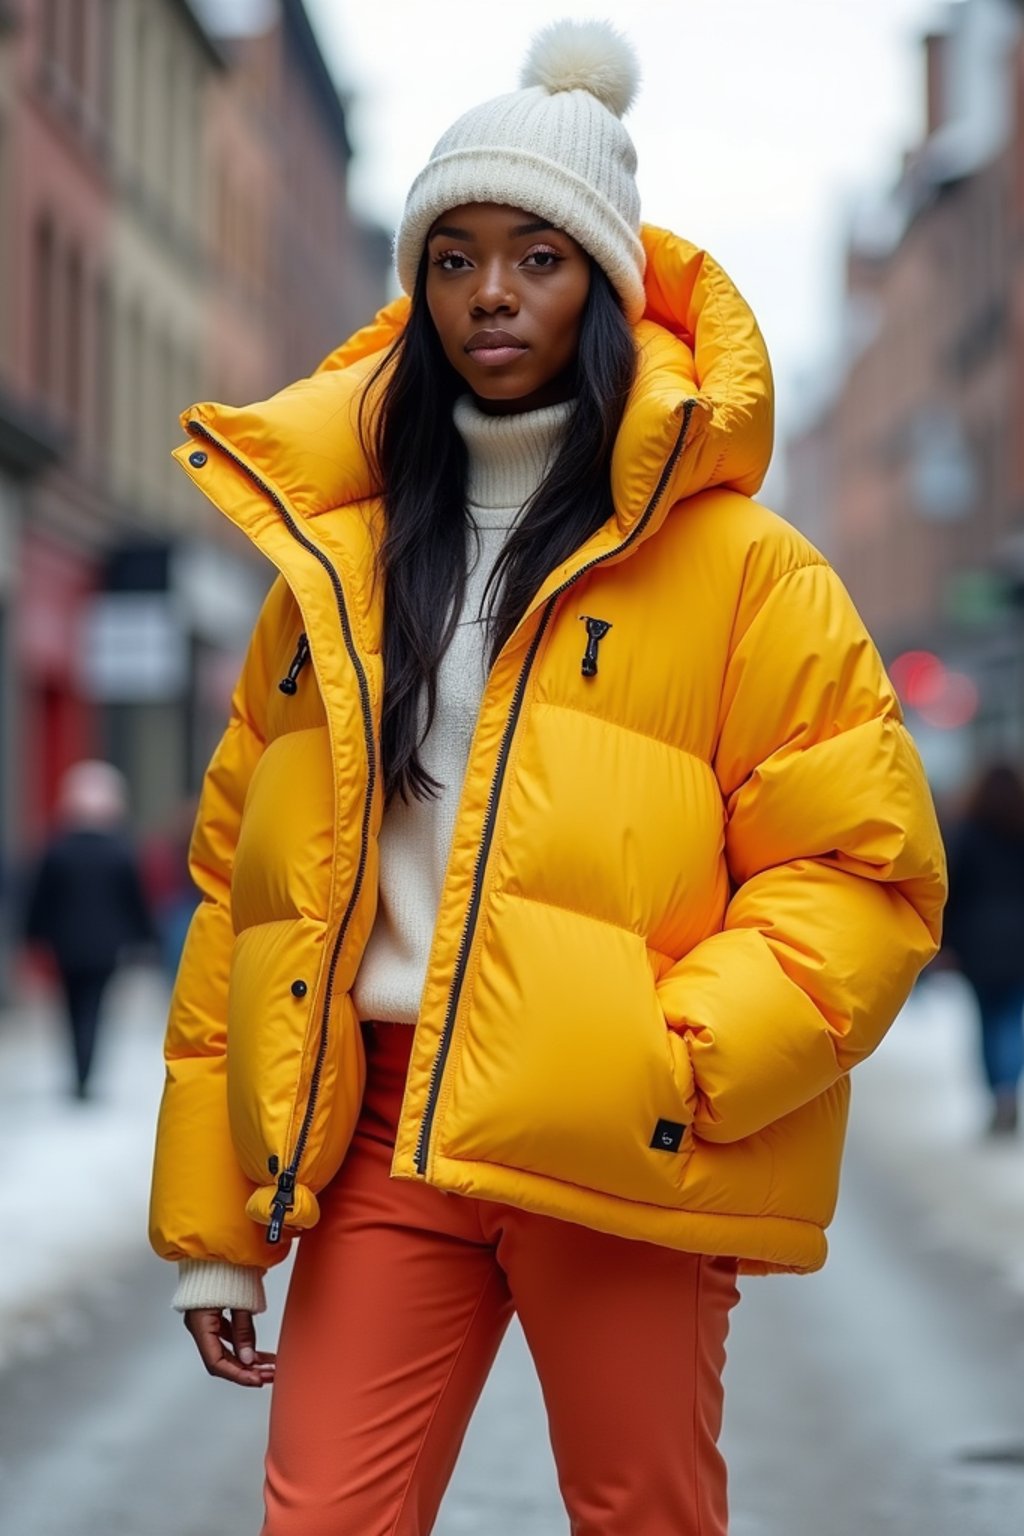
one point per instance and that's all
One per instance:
(543, 258)
(450, 261)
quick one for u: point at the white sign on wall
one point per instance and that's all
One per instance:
(133, 649)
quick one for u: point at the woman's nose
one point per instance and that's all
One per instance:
(494, 291)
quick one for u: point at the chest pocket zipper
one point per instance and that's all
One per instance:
(290, 684)
(596, 631)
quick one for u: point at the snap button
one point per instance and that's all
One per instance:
(299, 989)
(197, 459)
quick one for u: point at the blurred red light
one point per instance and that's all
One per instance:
(944, 699)
(919, 677)
(955, 707)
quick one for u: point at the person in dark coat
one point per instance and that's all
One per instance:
(85, 901)
(984, 929)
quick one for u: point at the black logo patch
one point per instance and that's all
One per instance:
(668, 1136)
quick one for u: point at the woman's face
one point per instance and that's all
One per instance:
(506, 292)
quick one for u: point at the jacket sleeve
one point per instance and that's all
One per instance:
(835, 863)
(197, 1209)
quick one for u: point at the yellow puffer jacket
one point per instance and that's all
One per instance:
(685, 894)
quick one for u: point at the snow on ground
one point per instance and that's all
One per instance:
(75, 1182)
(920, 1110)
(76, 1176)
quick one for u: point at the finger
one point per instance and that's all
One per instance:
(243, 1335)
(206, 1327)
(228, 1369)
(204, 1324)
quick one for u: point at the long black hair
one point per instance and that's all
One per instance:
(421, 460)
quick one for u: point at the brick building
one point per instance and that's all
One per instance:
(912, 475)
(56, 239)
(173, 227)
(298, 273)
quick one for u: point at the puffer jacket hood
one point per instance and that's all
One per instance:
(683, 896)
(699, 349)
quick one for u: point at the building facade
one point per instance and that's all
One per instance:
(912, 475)
(297, 272)
(56, 254)
(173, 227)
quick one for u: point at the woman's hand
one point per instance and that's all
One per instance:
(227, 1345)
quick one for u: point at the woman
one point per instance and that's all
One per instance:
(562, 788)
(985, 930)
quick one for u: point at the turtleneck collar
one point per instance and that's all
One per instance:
(508, 455)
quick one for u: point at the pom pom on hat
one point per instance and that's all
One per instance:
(584, 56)
(556, 147)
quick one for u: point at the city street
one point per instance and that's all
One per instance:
(885, 1394)
(711, 573)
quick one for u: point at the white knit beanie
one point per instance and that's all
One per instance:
(555, 148)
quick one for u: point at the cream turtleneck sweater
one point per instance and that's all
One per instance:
(508, 457)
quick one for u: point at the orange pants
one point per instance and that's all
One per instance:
(398, 1302)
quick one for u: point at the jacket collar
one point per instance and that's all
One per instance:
(698, 342)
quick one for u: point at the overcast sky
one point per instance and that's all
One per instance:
(757, 122)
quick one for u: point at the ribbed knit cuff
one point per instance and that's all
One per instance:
(212, 1283)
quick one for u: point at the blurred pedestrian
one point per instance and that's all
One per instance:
(984, 931)
(85, 900)
(565, 804)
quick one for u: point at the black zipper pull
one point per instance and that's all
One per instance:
(283, 1201)
(289, 684)
(596, 631)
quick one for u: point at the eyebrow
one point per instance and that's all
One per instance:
(450, 231)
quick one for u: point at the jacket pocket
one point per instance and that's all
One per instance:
(564, 1065)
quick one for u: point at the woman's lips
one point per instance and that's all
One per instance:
(492, 357)
(493, 348)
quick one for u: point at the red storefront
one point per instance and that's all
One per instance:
(56, 726)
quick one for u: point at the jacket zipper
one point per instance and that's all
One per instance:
(285, 1196)
(289, 684)
(596, 631)
(421, 1152)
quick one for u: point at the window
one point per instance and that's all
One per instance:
(77, 46)
(104, 54)
(169, 406)
(102, 406)
(48, 32)
(139, 77)
(74, 323)
(42, 316)
(5, 287)
(171, 86)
